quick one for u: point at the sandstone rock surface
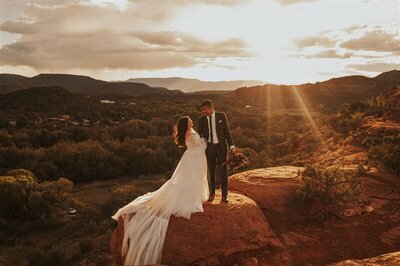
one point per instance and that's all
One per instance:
(213, 237)
(385, 259)
(272, 188)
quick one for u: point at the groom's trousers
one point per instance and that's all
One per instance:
(216, 160)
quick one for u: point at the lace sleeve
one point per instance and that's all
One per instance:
(194, 140)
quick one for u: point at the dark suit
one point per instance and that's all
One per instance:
(216, 153)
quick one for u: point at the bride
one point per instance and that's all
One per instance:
(181, 195)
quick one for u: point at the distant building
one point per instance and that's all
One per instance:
(12, 122)
(107, 101)
(85, 122)
(57, 119)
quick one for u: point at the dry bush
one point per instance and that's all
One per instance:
(333, 188)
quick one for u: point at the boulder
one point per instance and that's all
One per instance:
(220, 234)
(385, 259)
(272, 188)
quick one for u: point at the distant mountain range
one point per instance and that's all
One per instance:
(330, 93)
(50, 100)
(80, 84)
(194, 85)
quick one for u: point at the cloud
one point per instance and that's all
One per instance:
(79, 35)
(187, 43)
(305, 42)
(355, 27)
(376, 40)
(330, 53)
(374, 67)
(16, 27)
(292, 2)
(206, 2)
(354, 41)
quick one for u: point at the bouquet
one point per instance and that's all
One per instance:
(237, 161)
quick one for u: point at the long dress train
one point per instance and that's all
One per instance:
(180, 196)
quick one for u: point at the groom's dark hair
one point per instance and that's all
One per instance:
(207, 103)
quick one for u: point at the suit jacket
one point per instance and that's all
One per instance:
(222, 128)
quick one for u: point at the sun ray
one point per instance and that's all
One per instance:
(303, 107)
(268, 105)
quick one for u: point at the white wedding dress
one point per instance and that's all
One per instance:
(180, 196)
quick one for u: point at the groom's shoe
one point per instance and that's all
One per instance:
(211, 198)
(224, 199)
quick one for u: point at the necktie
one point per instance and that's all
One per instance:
(211, 130)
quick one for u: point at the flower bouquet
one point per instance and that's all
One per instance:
(237, 161)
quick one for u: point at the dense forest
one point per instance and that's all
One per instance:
(56, 133)
(53, 132)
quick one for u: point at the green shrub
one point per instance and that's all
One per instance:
(22, 197)
(387, 153)
(15, 189)
(333, 188)
(345, 122)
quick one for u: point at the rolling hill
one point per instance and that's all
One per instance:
(50, 100)
(330, 93)
(79, 84)
(194, 85)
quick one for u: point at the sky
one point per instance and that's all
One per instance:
(277, 41)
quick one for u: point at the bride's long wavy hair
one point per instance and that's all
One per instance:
(180, 129)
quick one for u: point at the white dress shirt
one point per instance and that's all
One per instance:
(215, 137)
(214, 126)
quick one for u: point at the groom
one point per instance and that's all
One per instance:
(214, 127)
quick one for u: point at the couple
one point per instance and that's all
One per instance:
(146, 218)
